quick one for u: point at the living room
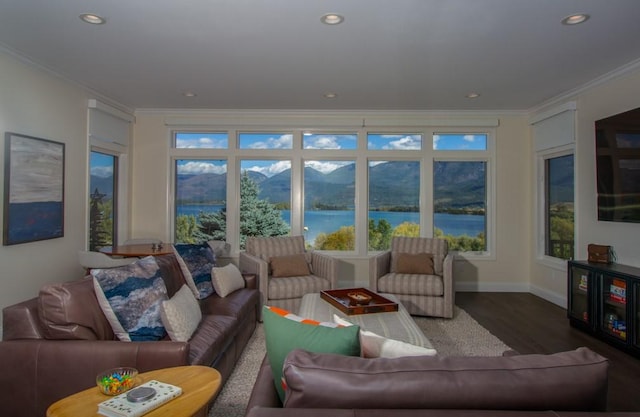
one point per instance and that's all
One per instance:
(39, 102)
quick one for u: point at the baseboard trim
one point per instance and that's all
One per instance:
(491, 287)
(552, 297)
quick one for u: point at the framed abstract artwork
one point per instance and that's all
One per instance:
(33, 189)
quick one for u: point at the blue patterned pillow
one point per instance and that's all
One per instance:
(131, 298)
(196, 262)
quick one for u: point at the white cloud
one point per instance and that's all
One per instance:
(272, 169)
(436, 139)
(281, 142)
(405, 143)
(202, 142)
(201, 167)
(469, 138)
(326, 166)
(322, 142)
(102, 172)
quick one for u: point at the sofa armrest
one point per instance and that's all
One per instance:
(449, 286)
(21, 321)
(379, 265)
(36, 373)
(325, 266)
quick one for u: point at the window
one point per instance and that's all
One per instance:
(394, 201)
(460, 203)
(103, 195)
(200, 200)
(329, 204)
(559, 216)
(347, 191)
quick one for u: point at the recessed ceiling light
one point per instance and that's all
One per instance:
(93, 19)
(473, 95)
(332, 19)
(189, 94)
(575, 19)
(330, 95)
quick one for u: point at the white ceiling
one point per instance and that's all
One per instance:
(275, 54)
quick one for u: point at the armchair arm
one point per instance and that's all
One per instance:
(36, 373)
(449, 290)
(250, 264)
(325, 266)
(379, 265)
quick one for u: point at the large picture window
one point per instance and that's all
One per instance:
(345, 191)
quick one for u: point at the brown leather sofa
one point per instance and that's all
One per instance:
(564, 384)
(55, 344)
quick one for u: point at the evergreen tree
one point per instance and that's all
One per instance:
(99, 235)
(258, 217)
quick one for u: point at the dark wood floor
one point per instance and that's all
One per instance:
(530, 324)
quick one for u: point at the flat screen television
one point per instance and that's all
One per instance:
(618, 167)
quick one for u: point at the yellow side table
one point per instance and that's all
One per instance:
(199, 384)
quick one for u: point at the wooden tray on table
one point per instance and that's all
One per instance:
(341, 300)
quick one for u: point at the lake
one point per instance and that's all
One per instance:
(318, 221)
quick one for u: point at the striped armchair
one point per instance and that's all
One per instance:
(421, 294)
(286, 292)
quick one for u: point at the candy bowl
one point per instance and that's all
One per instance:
(117, 380)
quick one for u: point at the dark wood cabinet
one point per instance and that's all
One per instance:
(603, 300)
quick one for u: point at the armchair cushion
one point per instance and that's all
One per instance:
(296, 287)
(289, 265)
(411, 284)
(412, 263)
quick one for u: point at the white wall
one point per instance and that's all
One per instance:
(607, 98)
(36, 103)
(506, 271)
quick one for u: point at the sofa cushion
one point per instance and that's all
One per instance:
(131, 298)
(574, 380)
(171, 272)
(196, 262)
(70, 310)
(373, 345)
(226, 279)
(181, 315)
(285, 332)
(289, 265)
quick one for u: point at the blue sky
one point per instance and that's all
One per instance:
(202, 140)
(101, 165)
(457, 142)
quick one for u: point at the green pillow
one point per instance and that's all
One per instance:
(285, 332)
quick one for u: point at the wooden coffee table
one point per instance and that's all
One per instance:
(396, 325)
(199, 384)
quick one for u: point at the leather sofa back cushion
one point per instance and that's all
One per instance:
(566, 381)
(70, 310)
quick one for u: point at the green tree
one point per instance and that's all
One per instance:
(379, 235)
(407, 229)
(186, 226)
(100, 222)
(258, 217)
(342, 239)
(463, 243)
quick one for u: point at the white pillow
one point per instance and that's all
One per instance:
(181, 315)
(226, 279)
(375, 346)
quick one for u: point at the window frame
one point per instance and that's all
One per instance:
(361, 156)
(541, 190)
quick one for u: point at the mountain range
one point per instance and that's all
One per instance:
(457, 185)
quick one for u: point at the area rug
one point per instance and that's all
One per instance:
(459, 336)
